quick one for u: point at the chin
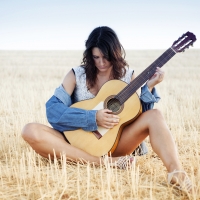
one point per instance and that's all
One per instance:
(103, 69)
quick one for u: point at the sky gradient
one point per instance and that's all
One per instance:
(66, 24)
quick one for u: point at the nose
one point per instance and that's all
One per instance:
(101, 61)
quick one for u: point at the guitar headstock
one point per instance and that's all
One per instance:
(184, 42)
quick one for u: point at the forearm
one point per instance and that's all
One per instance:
(149, 87)
(64, 118)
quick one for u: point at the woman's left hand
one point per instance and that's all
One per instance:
(156, 78)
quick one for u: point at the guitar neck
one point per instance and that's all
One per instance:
(131, 88)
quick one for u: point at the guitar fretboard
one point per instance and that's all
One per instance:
(131, 88)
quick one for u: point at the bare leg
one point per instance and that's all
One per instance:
(153, 124)
(45, 141)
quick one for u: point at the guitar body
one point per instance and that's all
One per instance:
(87, 141)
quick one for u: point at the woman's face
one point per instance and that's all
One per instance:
(100, 61)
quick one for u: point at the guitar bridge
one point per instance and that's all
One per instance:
(97, 134)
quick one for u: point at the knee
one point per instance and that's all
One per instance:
(30, 132)
(156, 115)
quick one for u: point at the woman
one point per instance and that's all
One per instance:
(102, 61)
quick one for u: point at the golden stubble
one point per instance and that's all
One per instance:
(28, 79)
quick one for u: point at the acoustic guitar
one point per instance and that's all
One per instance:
(123, 100)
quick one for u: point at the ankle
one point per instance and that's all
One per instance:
(174, 167)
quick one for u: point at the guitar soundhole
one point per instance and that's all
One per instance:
(114, 105)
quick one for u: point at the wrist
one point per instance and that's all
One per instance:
(149, 87)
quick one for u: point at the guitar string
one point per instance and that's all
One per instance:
(141, 75)
(160, 61)
(114, 104)
(129, 90)
(157, 62)
(142, 78)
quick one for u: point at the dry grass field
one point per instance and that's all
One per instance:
(28, 79)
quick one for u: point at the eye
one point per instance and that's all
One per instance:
(95, 57)
(105, 58)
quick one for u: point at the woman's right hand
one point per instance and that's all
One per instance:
(106, 119)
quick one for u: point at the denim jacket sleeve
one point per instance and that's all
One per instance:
(148, 98)
(63, 118)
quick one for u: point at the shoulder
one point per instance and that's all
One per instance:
(128, 75)
(69, 82)
(79, 73)
(129, 71)
(78, 70)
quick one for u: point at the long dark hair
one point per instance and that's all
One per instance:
(107, 41)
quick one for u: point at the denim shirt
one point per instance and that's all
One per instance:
(62, 117)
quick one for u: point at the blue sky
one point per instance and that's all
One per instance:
(66, 24)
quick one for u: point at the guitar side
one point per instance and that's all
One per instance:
(87, 141)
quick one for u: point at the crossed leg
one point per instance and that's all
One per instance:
(44, 140)
(47, 142)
